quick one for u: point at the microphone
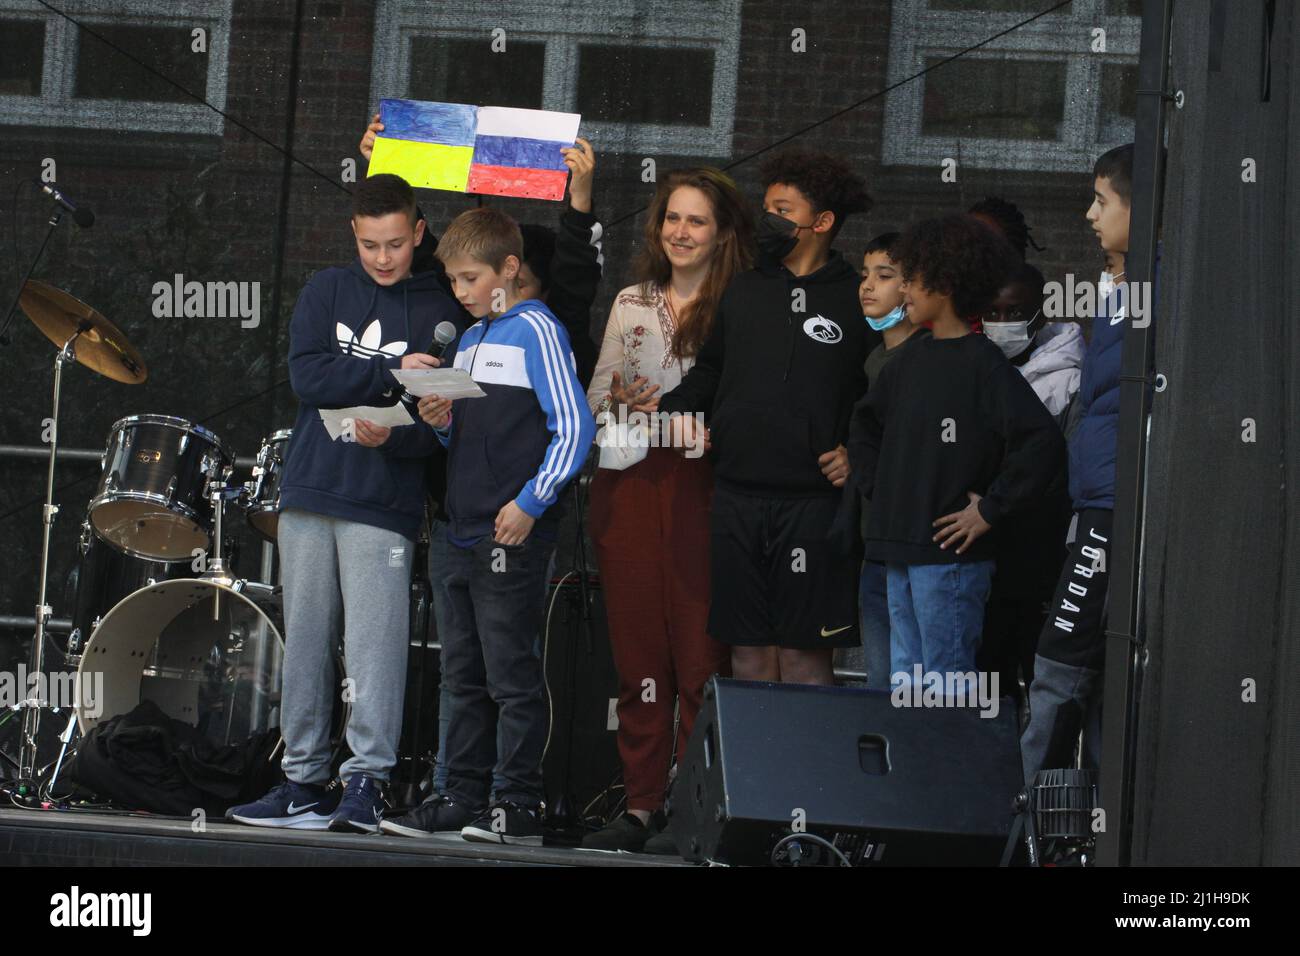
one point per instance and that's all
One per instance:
(443, 336)
(82, 215)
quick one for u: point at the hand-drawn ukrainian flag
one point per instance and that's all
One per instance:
(491, 150)
(430, 145)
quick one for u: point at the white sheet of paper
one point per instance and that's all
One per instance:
(394, 416)
(450, 383)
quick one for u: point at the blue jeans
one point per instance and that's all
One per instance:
(873, 612)
(936, 615)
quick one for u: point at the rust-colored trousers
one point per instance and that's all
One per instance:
(650, 528)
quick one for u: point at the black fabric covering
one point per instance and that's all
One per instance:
(145, 760)
(1217, 778)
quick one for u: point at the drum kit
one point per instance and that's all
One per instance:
(207, 650)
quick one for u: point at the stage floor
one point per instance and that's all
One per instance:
(80, 838)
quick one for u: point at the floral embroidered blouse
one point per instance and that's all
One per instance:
(638, 341)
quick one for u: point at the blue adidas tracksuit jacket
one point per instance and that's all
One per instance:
(530, 434)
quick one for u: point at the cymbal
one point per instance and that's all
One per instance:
(101, 346)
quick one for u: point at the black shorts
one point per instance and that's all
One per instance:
(776, 578)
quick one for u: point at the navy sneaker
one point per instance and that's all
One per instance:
(439, 814)
(294, 806)
(506, 822)
(361, 806)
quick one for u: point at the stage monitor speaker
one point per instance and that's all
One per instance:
(885, 784)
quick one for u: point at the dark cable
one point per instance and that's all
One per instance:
(862, 102)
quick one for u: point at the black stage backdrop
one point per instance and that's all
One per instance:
(259, 192)
(1218, 767)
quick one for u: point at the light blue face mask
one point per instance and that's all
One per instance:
(888, 321)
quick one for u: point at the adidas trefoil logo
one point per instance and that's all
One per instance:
(368, 346)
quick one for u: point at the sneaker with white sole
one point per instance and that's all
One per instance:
(292, 806)
(361, 806)
(506, 822)
(439, 814)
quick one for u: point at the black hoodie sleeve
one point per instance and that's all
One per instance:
(866, 433)
(575, 277)
(699, 386)
(1034, 455)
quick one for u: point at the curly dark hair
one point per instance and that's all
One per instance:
(958, 256)
(828, 182)
(1008, 217)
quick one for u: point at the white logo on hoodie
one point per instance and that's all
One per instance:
(821, 329)
(368, 346)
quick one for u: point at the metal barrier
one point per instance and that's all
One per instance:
(242, 462)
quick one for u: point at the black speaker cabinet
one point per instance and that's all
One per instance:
(885, 784)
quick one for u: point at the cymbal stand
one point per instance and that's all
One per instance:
(34, 704)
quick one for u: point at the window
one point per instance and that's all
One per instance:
(52, 73)
(1038, 98)
(606, 61)
(449, 70)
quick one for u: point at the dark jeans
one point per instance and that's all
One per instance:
(438, 551)
(491, 670)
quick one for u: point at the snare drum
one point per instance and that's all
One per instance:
(150, 502)
(220, 675)
(262, 507)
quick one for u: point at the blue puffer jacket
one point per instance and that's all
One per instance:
(1094, 443)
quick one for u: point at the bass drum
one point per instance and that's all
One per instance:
(206, 654)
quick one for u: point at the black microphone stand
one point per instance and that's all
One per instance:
(55, 219)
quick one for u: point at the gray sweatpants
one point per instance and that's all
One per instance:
(341, 576)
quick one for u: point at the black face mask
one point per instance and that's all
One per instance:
(776, 236)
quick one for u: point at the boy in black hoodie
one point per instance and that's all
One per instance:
(777, 381)
(350, 515)
(950, 441)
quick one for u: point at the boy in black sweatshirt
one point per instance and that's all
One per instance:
(777, 380)
(951, 440)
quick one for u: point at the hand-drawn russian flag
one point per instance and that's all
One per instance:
(492, 150)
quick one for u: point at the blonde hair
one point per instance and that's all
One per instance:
(485, 235)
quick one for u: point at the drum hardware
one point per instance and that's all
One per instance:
(65, 738)
(262, 494)
(219, 490)
(86, 337)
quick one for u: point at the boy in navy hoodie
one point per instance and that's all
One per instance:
(511, 452)
(350, 515)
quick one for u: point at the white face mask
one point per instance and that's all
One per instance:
(1106, 285)
(1011, 337)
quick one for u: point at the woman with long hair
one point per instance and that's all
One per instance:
(649, 513)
